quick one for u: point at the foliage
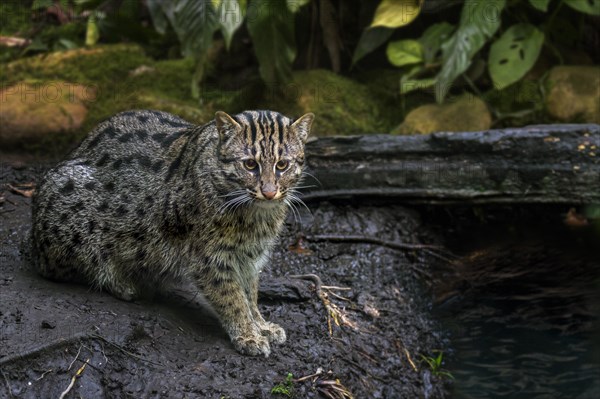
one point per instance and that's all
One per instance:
(445, 52)
(396, 13)
(284, 388)
(435, 365)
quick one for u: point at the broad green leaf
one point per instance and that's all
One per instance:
(408, 82)
(396, 13)
(67, 44)
(541, 5)
(479, 20)
(194, 22)
(92, 33)
(231, 16)
(216, 3)
(370, 39)
(295, 5)
(514, 53)
(408, 85)
(271, 25)
(433, 38)
(404, 52)
(591, 7)
(159, 19)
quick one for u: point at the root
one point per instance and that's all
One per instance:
(66, 341)
(334, 312)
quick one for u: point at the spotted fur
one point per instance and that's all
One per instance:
(148, 200)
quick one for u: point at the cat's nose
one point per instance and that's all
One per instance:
(269, 191)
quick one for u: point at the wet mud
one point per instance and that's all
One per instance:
(372, 346)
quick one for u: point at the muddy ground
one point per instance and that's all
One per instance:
(169, 348)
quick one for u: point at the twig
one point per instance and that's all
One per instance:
(306, 377)
(76, 356)
(369, 240)
(333, 287)
(77, 375)
(44, 374)
(119, 347)
(333, 311)
(8, 388)
(66, 341)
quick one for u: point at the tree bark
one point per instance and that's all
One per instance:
(535, 164)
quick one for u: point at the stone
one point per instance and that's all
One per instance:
(466, 113)
(33, 112)
(342, 106)
(573, 94)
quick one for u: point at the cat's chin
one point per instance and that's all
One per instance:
(267, 204)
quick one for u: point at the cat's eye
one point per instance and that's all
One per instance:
(250, 164)
(282, 165)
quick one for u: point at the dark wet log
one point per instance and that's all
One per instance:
(535, 164)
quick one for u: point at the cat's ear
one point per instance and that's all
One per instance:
(302, 126)
(226, 125)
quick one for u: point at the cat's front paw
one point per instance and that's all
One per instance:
(253, 345)
(274, 333)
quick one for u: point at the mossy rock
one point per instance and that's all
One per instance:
(342, 106)
(462, 114)
(121, 76)
(572, 94)
(47, 115)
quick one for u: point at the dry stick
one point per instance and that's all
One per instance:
(384, 243)
(332, 309)
(76, 356)
(369, 240)
(44, 374)
(119, 347)
(77, 375)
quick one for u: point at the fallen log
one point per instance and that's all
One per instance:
(534, 164)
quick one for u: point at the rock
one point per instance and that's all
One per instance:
(466, 113)
(33, 112)
(573, 94)
(342, 106)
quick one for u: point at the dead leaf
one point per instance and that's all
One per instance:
(574, 219)
(300, 247)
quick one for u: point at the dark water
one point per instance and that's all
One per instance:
(524, 316)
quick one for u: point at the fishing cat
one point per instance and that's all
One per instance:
(148, 199)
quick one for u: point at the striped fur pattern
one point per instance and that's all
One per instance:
(148, 200)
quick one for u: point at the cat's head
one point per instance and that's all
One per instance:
(263, 151)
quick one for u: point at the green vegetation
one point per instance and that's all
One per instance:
(435, 365)
(285, 388)
(445, 52)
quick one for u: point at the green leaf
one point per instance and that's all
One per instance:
(514, 53)
(271, 25)
(92, 33)
(404, 52)
(231, 16)
(67, 44)
(479, 21)
(591, 7)
(541, 5)
(295, 5)
(370, 39)
(433, 38)
(216, 3)
(194, 22)
(396, 13)
(408, 83)
(159, 19)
